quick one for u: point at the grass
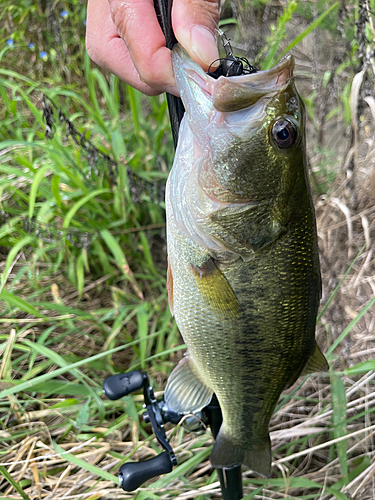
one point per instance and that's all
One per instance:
(83, 267)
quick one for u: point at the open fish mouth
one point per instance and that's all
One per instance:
(227, 94)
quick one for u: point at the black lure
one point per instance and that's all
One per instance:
(230, 65)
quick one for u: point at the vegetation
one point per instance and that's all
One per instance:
(83, 163)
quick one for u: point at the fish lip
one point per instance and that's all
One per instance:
(239, 92)
(194, 73)
(284, 66)
(236, 92)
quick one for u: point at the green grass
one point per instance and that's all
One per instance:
(83, 270)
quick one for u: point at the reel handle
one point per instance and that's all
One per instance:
(122, 384)
(133, 474)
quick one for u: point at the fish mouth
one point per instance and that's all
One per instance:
(235, 92)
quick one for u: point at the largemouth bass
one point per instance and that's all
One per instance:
(243, 273)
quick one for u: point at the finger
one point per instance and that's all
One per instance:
(195, 24)
(136, 22)
(107, 49)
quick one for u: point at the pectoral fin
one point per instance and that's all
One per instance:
(316, 363)
(215, 289)
(185, 391)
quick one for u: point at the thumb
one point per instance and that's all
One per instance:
(195, 23)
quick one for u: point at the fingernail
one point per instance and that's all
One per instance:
(203, 44)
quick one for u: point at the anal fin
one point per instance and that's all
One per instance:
(316, 363)
(215, 289)
(185, 391)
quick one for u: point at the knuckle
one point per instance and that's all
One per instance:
(122, 16)
(150, 78)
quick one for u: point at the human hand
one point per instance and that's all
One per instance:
(143, 61)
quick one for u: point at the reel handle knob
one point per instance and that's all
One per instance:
(133, 474)
(122, 384)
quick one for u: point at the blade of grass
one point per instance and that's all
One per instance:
(61, 387)
(350, 326)
(83, 414)
(299, 482)
(14, 483)
(30, 384)
(118, 145)
(8, 227)
(54, 357)
(60, 361)
(56, 189)
(339, 421)
(84, 465)
(359, 368)
(253, 493)
(308, 30)
(364, 464)
(121, 260)
(278, 34)
(80, 273)
(182, 469)
(69, 216)
(10, 259)
(135, 108)
(12, 299)
(142, 320)
(96, 112)
(147, 252)
(34, 188)
(340, 283)
(146, 495)
(107, 94)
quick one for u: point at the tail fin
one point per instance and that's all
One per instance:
(226, 453)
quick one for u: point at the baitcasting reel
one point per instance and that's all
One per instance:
(133, 474)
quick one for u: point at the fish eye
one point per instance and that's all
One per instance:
(283, 133)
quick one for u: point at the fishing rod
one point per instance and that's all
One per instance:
(163, 9)
(133, 474)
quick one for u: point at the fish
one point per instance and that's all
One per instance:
(243, 274)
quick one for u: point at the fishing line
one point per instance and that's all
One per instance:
(230, 65)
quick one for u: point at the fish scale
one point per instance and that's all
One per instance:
(243, 256)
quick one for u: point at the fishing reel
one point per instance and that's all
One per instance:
(133, 474)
